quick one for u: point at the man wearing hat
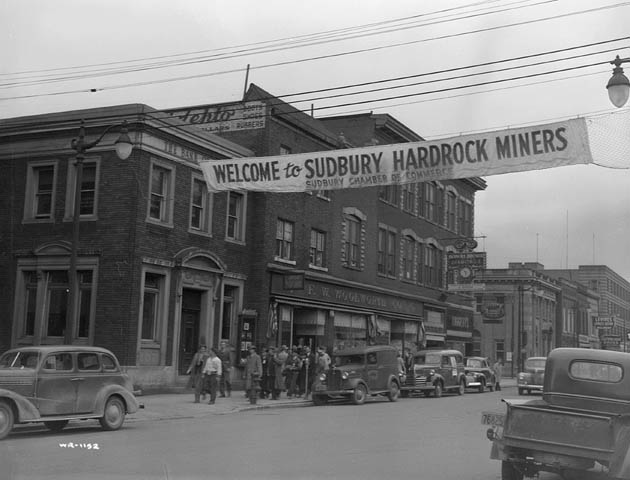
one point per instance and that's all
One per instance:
(253, 372)
(279, 362)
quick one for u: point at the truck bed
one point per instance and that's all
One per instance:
(537, 426)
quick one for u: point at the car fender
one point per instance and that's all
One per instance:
(26, 410)
(395, 379)
(437, 378)
(128, 397)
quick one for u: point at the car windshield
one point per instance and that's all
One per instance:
(19, 360)
(538, 363)
(474, 363)
(428, 358)
(349, 360)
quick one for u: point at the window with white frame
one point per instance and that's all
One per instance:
(161, 194)
(152, 306)
(317, 251)
(230, 307)
(200, 206)
(284, 239)
(89, 190)
(235, 216)
(39, 197)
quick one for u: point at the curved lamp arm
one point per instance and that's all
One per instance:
(124, 145)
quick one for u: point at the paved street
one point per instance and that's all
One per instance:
(420, 438)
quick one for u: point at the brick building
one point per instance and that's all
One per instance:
(164, 264)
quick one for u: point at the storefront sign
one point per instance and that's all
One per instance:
(293, 281)
(493, 312)
(611, 340)
(478, 155)
(604, 322)
(228, 117)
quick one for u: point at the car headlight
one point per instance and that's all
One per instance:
(344, 375)
(322, 377)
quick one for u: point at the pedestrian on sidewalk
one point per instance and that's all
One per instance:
(269, 373)
(195, 370)
(253, 373)
(294, 365)
(212, 372)
(225, 381)
(498, 372)
(279, 361)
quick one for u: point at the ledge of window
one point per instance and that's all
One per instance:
(235, 241)
(82, 218)
(410, 281)
(322, 197)
(352, 267)
(158, 223)
(144, 343)
(201, 233)
(33, 220)
(385, 275)
(318, 268)
(284, 260)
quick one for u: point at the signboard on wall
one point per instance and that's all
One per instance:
(226, 117)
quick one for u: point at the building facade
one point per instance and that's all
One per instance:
(163, 264)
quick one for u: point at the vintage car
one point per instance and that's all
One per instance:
(56, 384)
(358, 372)
(531, 380)
(435, 372)
(580, 428)
(479, 374)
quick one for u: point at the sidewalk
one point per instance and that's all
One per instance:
(181, 405)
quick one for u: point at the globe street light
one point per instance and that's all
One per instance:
(123, 147)
(618, 85)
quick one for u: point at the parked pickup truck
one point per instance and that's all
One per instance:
(581, 426)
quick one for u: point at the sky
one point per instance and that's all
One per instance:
(74, 54)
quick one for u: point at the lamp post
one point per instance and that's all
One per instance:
(618, 86)
(123, 146)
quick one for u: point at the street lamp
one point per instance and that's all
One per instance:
(123, 147)
(618, 85)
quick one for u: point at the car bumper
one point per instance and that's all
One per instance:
(526, 386)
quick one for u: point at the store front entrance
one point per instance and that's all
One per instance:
(189, 338)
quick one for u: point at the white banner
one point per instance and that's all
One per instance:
(492, 153)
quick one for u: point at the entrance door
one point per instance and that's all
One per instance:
(189, 331)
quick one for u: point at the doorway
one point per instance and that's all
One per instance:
(189, 336)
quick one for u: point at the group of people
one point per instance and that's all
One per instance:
(279, 370)
(268, 375)
(210, 372)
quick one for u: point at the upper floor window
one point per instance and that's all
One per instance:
(89, 190)
(432, 266)
(389, 194)
(236, 216)
(420, 199)
(451, 207)
(39, 199)
(284, 239)
(152, 306)
(284, 150)
(317, 252)
(408, 197)
(386, 254)
(464, 214)
(161, 194)
(200, 206)
(433, 202)
(408, 263)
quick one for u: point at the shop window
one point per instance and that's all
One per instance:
(200, 206)
(236, 216)
(161, 193)
(39, 198)
(350, 330)
(284, 239)
(404, 334)
(499, 350)
(230, 293)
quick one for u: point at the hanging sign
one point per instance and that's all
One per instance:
(491, 153)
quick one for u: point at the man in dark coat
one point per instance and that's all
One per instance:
(253, 373)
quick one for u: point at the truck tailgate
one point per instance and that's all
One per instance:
(552, 430)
